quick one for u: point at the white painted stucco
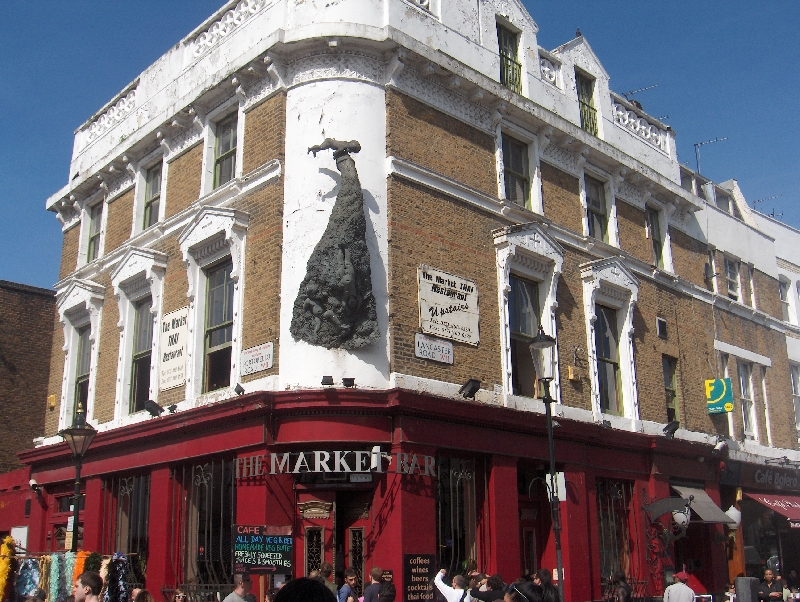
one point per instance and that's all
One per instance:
(344, 110)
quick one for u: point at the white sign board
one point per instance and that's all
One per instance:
(448, 305)
(174, 342)
(20, 535)
(256, 359)
(433, 349)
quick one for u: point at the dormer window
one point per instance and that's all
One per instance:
(585, 86)
(510, 68)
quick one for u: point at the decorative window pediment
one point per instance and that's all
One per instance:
(137, 271)
(527, 251)
(79, 302)
(609, 283)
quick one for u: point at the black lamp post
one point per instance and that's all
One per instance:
(79, 437)
(543, 344)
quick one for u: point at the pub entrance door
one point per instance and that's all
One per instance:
(350, 532)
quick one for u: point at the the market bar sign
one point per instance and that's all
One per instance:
(262, 549)
(337, 461)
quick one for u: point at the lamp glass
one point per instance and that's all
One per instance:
(541, 348)
(78, 439)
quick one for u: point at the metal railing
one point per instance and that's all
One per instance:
(510, 73)
(588, 117)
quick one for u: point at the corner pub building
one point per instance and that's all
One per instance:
(303, 312)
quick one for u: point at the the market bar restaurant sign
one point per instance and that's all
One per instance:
(448, 305)
(174, 336)
(262, 549)
(337, 461)
(418, 573)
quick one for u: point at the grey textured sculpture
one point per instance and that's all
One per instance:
(335, 307)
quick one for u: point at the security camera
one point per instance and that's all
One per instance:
(720, 448)
(33, 483)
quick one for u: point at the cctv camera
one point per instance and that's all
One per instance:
(32, 483)
(720, 448)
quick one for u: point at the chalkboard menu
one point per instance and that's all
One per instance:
(418, 573)
(262, 549)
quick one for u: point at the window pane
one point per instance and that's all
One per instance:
(153, 187)
(220, 296)
(605, 334)
(140, 383)
(220, 336)
(744, 381)
(95, 217)
(84, 352)
(795, 371)
(225, 155)
(523, 307)
(523, 372)
(218, 369)
(595, 195)
(143, 327)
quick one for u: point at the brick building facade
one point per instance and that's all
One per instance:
(562, 208)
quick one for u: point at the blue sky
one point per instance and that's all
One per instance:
(722, 69)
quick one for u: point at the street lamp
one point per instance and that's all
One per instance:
(542, 354)
(79, 437)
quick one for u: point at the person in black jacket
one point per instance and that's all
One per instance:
(771, 590)
(495, 590)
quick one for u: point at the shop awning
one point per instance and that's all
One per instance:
(788, 505)
(703, 506)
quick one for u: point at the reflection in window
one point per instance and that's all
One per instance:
(515, 170)
(523, 317)
(606, 347)
(596, 209)
(225, 151)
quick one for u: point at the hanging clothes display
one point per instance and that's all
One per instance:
(44, 573)
(94, 562)
(7, 562)
(55, 578)
(80, 563)
(116, 586)
(28, 577)
(69, 568)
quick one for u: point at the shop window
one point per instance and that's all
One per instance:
(746, 398)
(456, 514)
(225, 150)
(585, 86)
(95, 223)
(732, 278)
(606, 347)
(653, 219)
(794, 370)
(152, 196)
(596, 209)
(515, 170)
(615, 510)
(203, 514)
(510, 68)
(142, 352)
(669, 366)
(126, 508)
(219, 327)
(314, 538)
(82, 370)
(523, 315)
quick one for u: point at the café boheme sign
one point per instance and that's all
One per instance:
(719, 396)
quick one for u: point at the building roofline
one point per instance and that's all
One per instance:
(27, 288)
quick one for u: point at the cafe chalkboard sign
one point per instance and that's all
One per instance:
(262, 549)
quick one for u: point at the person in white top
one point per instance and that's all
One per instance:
(679, 591)
(457, 593)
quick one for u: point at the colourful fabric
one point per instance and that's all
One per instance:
(63, 590)
(94, 562)
(69, 568)
(6, 567)
(80, 563)
(117, 589)
(55, 577)
(44, 573)
(28, 578)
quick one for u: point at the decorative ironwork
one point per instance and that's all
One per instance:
(613, 520)
(125, 520)
(586, 101)
(357, 557)
(511, 74)
(203, 515)
(313, 549)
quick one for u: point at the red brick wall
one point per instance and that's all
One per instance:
(108, 354)
(689, 255)
(632, 232)
(183, 184)
(69, 251)
(119, 221)
(26, 340)
(561, 198)
(421, 134)
(264, 133)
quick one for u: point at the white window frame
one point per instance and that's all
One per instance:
(528, 252)
(145, 165)
(79, 304)
(748, 403)
(663, 226)
(139, 274)
(86, 226)
(211, 236)
(534, 201)
(728, 260)
(794, 376)
(610, 283)
(786, 304)
(233, 105)
(712, 261)
(611, 204)
(765, 398)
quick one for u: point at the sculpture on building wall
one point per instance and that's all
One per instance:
(335, 307)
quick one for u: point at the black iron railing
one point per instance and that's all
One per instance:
(510, 73)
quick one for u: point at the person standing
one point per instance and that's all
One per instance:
(456, 593)
(679, 591)
(348, 588)
(87, 587)
(770, 589)
(241, 586)
(327, 570)
(494, 590)
(372, 590)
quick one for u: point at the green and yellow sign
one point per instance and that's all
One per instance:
(719, 396)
